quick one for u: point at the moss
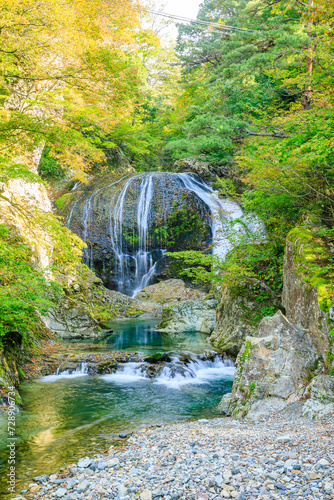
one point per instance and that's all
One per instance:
(64, 200)
(158, 357)
(251, 386)
(315, 263)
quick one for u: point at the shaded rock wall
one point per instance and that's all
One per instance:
(301, 302)
(231, 327)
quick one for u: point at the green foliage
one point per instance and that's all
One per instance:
(182, 223)
(24, 291)
(63, 200)
(48, 167)
(11, 170)
(252, 386)
(315, 261)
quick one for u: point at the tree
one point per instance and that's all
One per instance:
(67, 68)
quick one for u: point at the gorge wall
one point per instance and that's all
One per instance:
(288, 359)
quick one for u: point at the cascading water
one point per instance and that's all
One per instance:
(80, 371)
(126, 214)
(177, 373)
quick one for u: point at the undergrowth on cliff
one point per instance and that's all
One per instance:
(25, 294)
(315, 260)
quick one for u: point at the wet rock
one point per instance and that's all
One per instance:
(97, 207)
(159, 357)
(204, 169)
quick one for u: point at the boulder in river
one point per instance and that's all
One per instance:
(189, 316)
(169, 292)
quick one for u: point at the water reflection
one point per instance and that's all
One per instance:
(68, 418)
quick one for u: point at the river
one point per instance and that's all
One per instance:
(68, 416)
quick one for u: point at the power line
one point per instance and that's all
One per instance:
(219, 27)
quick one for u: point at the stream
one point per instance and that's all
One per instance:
(70, 415)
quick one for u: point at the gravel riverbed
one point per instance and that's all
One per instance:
(284, 455)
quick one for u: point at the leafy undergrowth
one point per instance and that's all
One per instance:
(312, 249)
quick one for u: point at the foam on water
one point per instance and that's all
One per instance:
(80, 371)
(176, 374)
(131, 372)
(197, 372)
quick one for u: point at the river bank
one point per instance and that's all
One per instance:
(284, 455)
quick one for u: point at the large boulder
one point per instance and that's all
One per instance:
(272, 368)
(189, 316)
(88, 307)
(232, 326)
(169, 292)
(307, 298)
(72, 322)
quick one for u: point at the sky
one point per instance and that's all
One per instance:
(185, 8)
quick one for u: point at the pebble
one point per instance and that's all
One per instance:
(61, 492)
(282, 457)
(84, 463)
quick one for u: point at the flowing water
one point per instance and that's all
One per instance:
(68, 415)
(135, 204)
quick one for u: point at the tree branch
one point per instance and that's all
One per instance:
(279, 135)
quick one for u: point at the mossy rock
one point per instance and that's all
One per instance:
(158, 357)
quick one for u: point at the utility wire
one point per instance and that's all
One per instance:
(220, 27)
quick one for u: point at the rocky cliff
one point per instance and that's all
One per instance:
(231, 326)
(307, 296)
(290, 358)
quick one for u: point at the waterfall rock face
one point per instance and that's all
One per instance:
(129, 222)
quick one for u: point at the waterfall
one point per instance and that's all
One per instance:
(80, 371)
(132, 207)
(177, 373)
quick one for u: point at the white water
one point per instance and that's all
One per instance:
(135, 269)
(80, 371)
(223, 212)
(176, 374)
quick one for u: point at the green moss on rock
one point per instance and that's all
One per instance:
(315, 263)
